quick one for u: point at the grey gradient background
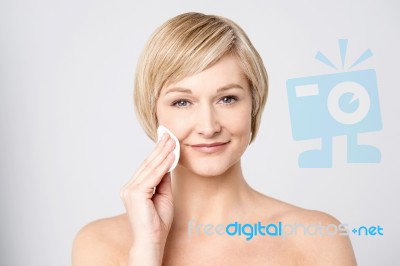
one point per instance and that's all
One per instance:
(70, 139)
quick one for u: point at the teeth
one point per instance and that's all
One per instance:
(160, 131)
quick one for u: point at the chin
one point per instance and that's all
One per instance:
(209, 171)
(208, 168)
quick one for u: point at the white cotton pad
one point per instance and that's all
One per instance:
(160, 131)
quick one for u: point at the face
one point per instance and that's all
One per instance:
(210, 114)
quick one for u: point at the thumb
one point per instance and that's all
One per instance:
(164, 187)
(163, 199)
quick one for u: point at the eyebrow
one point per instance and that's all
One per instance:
(223, 88)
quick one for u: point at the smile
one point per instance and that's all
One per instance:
(210, 148)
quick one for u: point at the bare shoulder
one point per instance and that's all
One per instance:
(102, 242)
(322, 239)
(315, 237)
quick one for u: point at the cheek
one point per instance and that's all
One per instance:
(169, 119)
(238, 122)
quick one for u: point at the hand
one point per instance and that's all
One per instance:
(151, 214)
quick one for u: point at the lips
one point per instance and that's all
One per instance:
(209, 147)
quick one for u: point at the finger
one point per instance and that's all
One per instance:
(159, 146)
(153, 178)
(151, 173)
(157, 150)
(156, 161)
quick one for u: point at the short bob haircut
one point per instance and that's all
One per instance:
(186, 45)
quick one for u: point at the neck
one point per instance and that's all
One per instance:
(209, 199)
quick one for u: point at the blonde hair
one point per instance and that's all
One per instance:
(188, 44)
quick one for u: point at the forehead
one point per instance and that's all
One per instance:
(227, 70)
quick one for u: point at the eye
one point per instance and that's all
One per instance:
(181, 103)
(230, 99)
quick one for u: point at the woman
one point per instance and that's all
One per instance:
(200, 76)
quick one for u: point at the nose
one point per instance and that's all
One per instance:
(207, 122)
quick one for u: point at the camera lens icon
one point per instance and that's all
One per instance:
(348, 103)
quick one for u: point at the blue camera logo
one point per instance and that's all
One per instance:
(344, 103)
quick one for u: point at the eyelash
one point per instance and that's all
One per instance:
(231, 97)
